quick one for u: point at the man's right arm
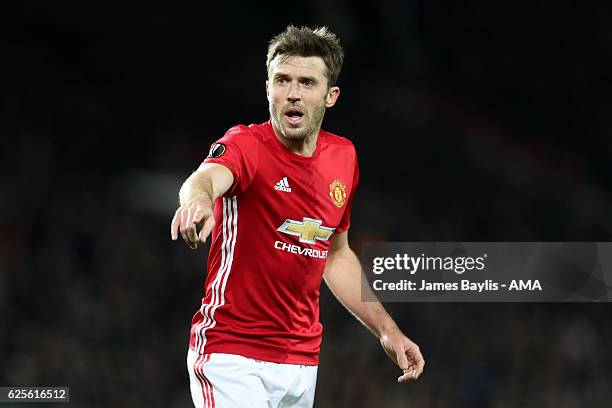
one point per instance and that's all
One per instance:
(197, 196)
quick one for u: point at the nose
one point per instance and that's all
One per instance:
(293, 95)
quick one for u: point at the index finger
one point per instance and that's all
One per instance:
(174, 226)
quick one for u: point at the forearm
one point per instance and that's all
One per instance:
(210, 181)
(345, 279)
(197, 196)
(198, 184)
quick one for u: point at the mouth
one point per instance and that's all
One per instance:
(294, 116)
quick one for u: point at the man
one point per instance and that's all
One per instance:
(277, 199)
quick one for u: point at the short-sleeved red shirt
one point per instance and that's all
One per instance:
(270, 244)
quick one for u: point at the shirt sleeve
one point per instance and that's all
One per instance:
(345, 222)
(237, 150)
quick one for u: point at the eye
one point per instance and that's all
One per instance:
(281, 80)
(308, 82)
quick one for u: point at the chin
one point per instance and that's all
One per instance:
(294, 133)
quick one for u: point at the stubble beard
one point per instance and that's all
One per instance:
(313, 119)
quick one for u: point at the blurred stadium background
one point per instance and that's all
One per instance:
(474, 121)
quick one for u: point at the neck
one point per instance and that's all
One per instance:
(303, 147)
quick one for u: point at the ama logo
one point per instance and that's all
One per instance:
(519, 284)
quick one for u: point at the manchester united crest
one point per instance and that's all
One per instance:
(337, 192)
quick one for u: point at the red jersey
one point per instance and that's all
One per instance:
(270, 243)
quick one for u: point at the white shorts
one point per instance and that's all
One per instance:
(232, 381)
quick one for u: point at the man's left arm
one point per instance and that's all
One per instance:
(344, 278)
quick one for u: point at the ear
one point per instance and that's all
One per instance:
(332, 96)
(267, 91)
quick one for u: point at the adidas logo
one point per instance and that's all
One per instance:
(283, 185)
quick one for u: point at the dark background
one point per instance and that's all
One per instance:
(474, 121)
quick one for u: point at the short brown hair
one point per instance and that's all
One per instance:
(306, 42)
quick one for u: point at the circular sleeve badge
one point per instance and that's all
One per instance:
(216, 150)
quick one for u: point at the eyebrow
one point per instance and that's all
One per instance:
(301, 78)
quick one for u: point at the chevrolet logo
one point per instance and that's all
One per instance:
(309, 230)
